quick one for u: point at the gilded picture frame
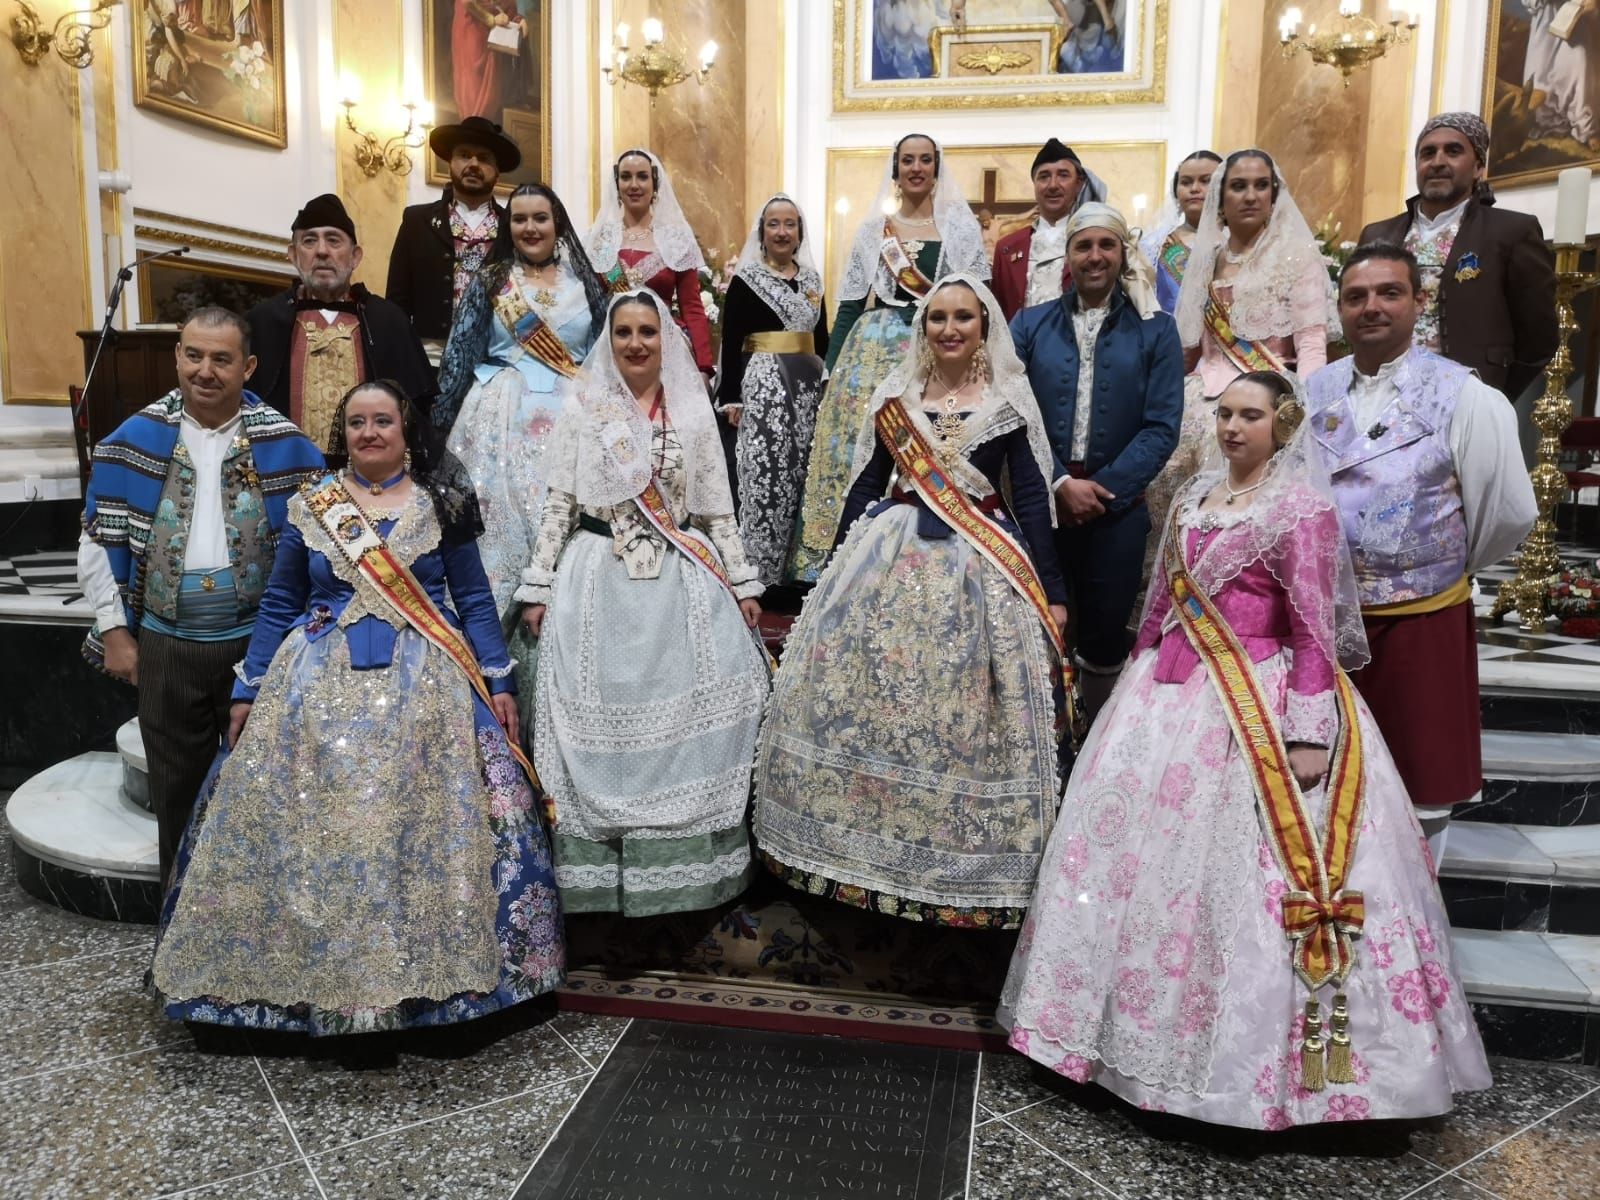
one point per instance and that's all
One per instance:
(217, 63)
(996, 181)
(1540, 93)
(870, 75)
(513, 92)
(171, 289)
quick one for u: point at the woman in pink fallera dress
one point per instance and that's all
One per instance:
(1154, 960)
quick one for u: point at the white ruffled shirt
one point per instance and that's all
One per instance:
(1046, 250)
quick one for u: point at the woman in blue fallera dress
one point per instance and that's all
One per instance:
(368, 857)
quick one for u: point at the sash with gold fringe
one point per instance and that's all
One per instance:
(1320, 915)
(901, 265)
(920, 468)
(533, 332)
(1241, 352)
(656, 510)
(353, 532)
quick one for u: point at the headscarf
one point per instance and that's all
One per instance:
(1318, 577)
(960, 237)
(1281, 287)
(1008, 400)
(1470, 125)
(675, 241)
(600, 448)
(1138, 277)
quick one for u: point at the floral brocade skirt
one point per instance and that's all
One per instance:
(649, 697)
(781, 393)
(368, 857)
(1154, 960)
(873, 348)
(908, 763)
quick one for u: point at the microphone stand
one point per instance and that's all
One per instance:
(108, 335)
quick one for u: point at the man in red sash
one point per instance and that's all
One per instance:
(1106, 366)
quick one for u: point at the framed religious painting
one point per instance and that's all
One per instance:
(969, 54)
(997, 182)
(1541, 88)
(171, 289)
(491, 58)
(217, 63)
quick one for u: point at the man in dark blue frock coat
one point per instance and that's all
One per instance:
(1106, 366)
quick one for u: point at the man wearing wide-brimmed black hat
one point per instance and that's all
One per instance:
(441, 245)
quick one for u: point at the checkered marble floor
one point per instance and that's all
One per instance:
(52, 573)
(1500, 640)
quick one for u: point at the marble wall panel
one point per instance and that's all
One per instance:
(44, 293)
(368, 38)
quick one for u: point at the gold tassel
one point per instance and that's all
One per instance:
(1341, 1067)
(1311, 1071)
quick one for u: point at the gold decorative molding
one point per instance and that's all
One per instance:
(177, 237)
(923, 95)
(1053, 38)
(150, 214)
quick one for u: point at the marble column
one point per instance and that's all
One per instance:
(369, 44)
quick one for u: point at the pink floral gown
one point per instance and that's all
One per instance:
(1153, 960)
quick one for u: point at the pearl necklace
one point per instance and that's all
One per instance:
(1233, 495)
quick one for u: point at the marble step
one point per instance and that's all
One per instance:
(1535, 778)
(135, 768)
(1535, 995)
(1529, 878)
(78, 842)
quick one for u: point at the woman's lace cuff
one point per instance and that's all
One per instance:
(499, 672)
(532, 593)
(238, 671)
(1312, 719)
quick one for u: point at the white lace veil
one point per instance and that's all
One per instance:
(601, 446)
(960, 236)
(675, 241)
(751, 257)
(1007, 400)
(1318, 577)
(1281, 287)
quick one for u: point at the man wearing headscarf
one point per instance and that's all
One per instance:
(1106, 367)
(1488, 279)
(1030, 265)
(320, 338)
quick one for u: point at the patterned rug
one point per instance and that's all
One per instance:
(784, 961)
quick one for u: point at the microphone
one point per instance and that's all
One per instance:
(127, 271)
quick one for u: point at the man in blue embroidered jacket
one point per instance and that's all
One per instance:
(1106, 366)
(180, 522)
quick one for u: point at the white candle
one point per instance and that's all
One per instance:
(1572, 206)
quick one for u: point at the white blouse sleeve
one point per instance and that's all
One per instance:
(1496, 493)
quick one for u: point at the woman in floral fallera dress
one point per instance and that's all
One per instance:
(368, 857)
(1156, 959)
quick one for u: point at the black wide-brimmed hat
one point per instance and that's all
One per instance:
(476, 131)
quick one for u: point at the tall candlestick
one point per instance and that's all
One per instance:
(1572, 206)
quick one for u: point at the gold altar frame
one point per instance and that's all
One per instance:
(273, 132)
(1051, 32)
(1143, 81)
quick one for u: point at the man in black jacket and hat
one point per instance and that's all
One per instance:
(323, 336)
(441, 245)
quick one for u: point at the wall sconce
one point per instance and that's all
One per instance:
(70, 36)
(393, 155)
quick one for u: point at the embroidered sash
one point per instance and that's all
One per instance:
(623, 278)
(656, 511)
(901, 265)
(361, 543)
(1242, 353)
(919, 467)
(1320, 916)
(1174, 257)
(531, 330)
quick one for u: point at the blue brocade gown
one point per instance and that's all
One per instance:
(369, 857)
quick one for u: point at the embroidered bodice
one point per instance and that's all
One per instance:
(633, 539)
(315, 587)
(1258, 606)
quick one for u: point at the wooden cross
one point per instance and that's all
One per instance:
(1009, 215)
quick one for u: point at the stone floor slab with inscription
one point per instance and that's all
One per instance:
(693, 1112)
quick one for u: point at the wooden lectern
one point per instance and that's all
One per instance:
(140, 366)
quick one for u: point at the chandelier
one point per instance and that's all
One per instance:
(654, 67)
(1354, 40)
